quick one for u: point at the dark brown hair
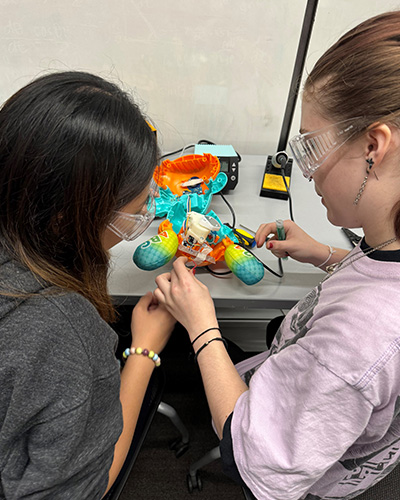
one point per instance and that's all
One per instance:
(73, 148)
(359, 76)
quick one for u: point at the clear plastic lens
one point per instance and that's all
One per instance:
(130, 226)
(312, 149)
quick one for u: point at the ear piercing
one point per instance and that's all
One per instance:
(370, 162)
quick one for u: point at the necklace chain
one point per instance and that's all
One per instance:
(349, 260)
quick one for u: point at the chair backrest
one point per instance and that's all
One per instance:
(149, 407)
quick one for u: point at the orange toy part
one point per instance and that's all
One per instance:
(164, 225)
(217, 253)
(173, 173)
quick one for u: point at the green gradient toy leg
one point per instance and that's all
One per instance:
(244, 265)
(156, 251)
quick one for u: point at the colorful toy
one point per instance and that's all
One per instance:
(186, 188)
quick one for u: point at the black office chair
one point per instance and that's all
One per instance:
(150, 405)
(193, 479)
(248, 495)
(180, 444)
(387, 489)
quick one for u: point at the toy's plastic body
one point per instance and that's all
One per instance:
(186, 188)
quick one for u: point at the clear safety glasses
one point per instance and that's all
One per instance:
(310, 150)
(129, 226)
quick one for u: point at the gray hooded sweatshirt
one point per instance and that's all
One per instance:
(60, 414)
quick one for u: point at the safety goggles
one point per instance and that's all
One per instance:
(129, 226)
(310, 150)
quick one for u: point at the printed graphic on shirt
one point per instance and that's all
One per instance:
(396, 408)
(364, 472)
(367, 469)
(303, 312)
(246, 377)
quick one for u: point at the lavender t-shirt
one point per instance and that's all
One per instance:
(321, 418)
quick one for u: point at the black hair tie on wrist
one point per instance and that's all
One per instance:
(207, 343)
(205, 331)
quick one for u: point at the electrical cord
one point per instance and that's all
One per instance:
(243, 245)
(231, 211)
(282, 171)
(224, 273)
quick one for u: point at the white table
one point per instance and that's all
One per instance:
(240, 307)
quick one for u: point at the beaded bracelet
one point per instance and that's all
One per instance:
(145, 352)
(209, 342)
(331, 252)
(205, 331)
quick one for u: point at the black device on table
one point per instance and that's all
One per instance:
(228, 159)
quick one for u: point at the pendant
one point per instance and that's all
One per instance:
(333, 267)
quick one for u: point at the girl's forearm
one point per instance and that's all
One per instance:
(222, 383)
(135, 378)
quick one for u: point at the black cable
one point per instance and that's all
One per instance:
(265, 265)
(205, 141)
(224, 273)
(289, 198)
(231, 210)
(282, 171)
(242, 244)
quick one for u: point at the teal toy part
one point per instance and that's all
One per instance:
(164, 201)
(177, 215)
(198, 202)
(219, 183)
(224, 229)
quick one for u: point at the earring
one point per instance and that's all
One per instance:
(370, 162)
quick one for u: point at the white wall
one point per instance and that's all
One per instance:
(202, 69)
